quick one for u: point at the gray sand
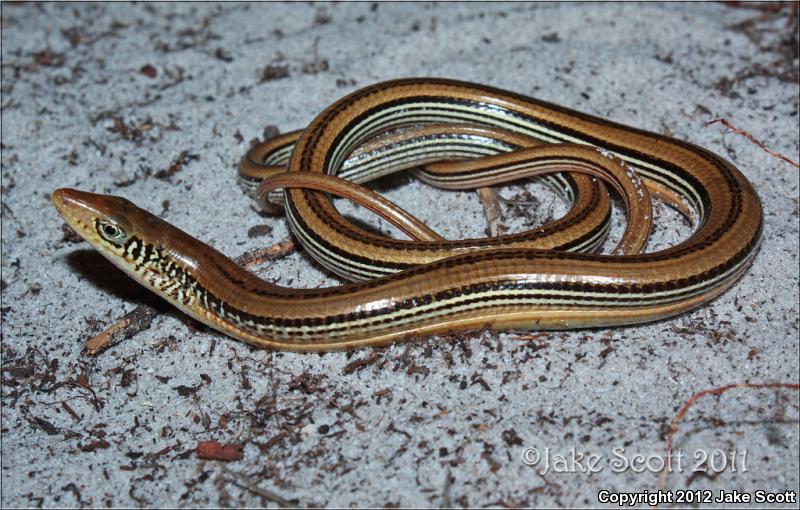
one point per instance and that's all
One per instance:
(443, 421)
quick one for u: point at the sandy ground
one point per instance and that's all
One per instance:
(157, 102)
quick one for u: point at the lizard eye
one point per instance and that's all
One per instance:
(111, 232)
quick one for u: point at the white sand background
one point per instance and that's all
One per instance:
(440, 422)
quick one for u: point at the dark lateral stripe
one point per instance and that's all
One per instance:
(524, 122)
(589, 297)
(362, 267)
(669, 175)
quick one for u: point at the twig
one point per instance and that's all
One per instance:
(130, 324)
(754, 140)
(762, 6)
(142, 316)
(446, 490)
(491, 205)
(245, 483)
(255, 258)
(662, 480)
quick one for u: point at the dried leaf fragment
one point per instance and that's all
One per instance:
(148, 71)
(214, 450)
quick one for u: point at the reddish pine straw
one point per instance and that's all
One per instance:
(754, 140)
(662, 481)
